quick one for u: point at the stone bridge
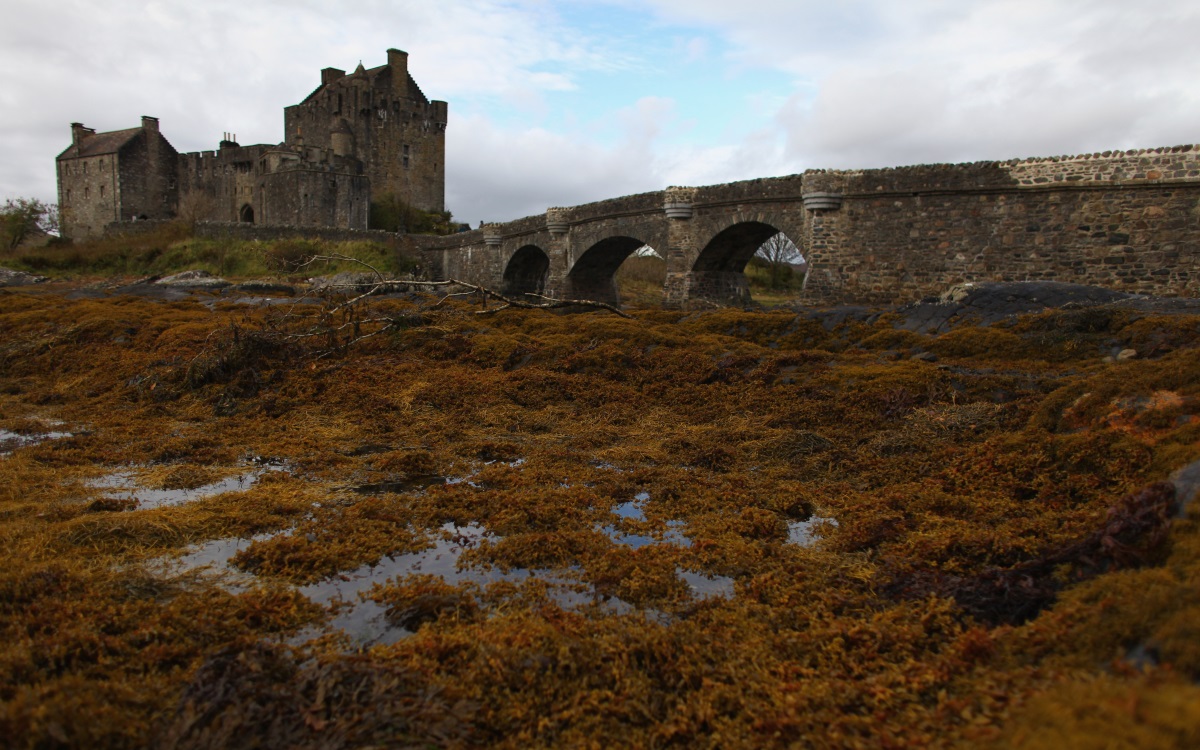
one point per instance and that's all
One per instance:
(1128, 220)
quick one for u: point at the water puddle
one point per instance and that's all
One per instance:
(213, 557)
(365, 622)
(805, 533)
(123, 485)
(11, 441)
(704, 586)
(633, 511)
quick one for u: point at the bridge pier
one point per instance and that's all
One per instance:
(723, 288)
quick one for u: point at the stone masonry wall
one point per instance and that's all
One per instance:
(249, 232)
(1128, 221)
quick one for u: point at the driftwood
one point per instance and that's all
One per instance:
(346, 318)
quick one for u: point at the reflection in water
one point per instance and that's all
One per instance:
(124, 485)
(804, 533)
(10, 441)
(365, 623)
(705, 586)
(633, 511)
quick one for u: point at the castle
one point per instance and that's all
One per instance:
(358, 136)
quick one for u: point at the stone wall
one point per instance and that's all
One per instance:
(249, 232)
(1125, 220)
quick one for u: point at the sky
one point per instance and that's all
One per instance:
(562, 102)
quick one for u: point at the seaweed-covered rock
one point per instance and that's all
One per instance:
(987, 302)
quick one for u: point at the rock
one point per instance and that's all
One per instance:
(193, 280)
(1126, 354)
(9, 277)
(351, 282)
(925, 357)
(265, 287)
(987, 302)
(1187, 482)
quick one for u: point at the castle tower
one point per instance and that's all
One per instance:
(381, 117)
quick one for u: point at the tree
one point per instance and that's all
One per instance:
(780, 254)
(197, 205)
(389, 213)
(22, 218)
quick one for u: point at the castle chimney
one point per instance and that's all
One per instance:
(398, 62)
(150, 123)
(79, 132)
(329, 75)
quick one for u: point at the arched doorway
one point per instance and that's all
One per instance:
(246, 214)
(526, 271)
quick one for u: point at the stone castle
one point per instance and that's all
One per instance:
(358, 136)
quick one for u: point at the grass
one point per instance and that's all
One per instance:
(172, 248)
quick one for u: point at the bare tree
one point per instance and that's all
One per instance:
(780, 254)
(197, 205)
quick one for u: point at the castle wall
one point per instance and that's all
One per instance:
(217, 185)
(148, 177)
(315, 198)
(87, 194)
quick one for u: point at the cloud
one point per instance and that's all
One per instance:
(504, 173)
(537, 120)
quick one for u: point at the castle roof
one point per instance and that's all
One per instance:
(100, 143)
(371, 73)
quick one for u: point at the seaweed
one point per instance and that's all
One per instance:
(715, 529)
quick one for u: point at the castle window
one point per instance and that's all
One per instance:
(101, 191)
(68, 196)
(85, 167)
(101, 165)
(87, 193)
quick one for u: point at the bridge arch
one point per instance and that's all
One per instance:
(591, 276)
(526, 271)
(718, 273)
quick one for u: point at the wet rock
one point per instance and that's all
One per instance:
(196, 279)
(1187, 484)
(9, 277)
(988, 302)
(265, 287)
(353, 282)
(1126, 354)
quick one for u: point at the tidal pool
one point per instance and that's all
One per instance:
(804, 533)
(123, 485)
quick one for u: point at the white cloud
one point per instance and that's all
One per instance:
(868, 82)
